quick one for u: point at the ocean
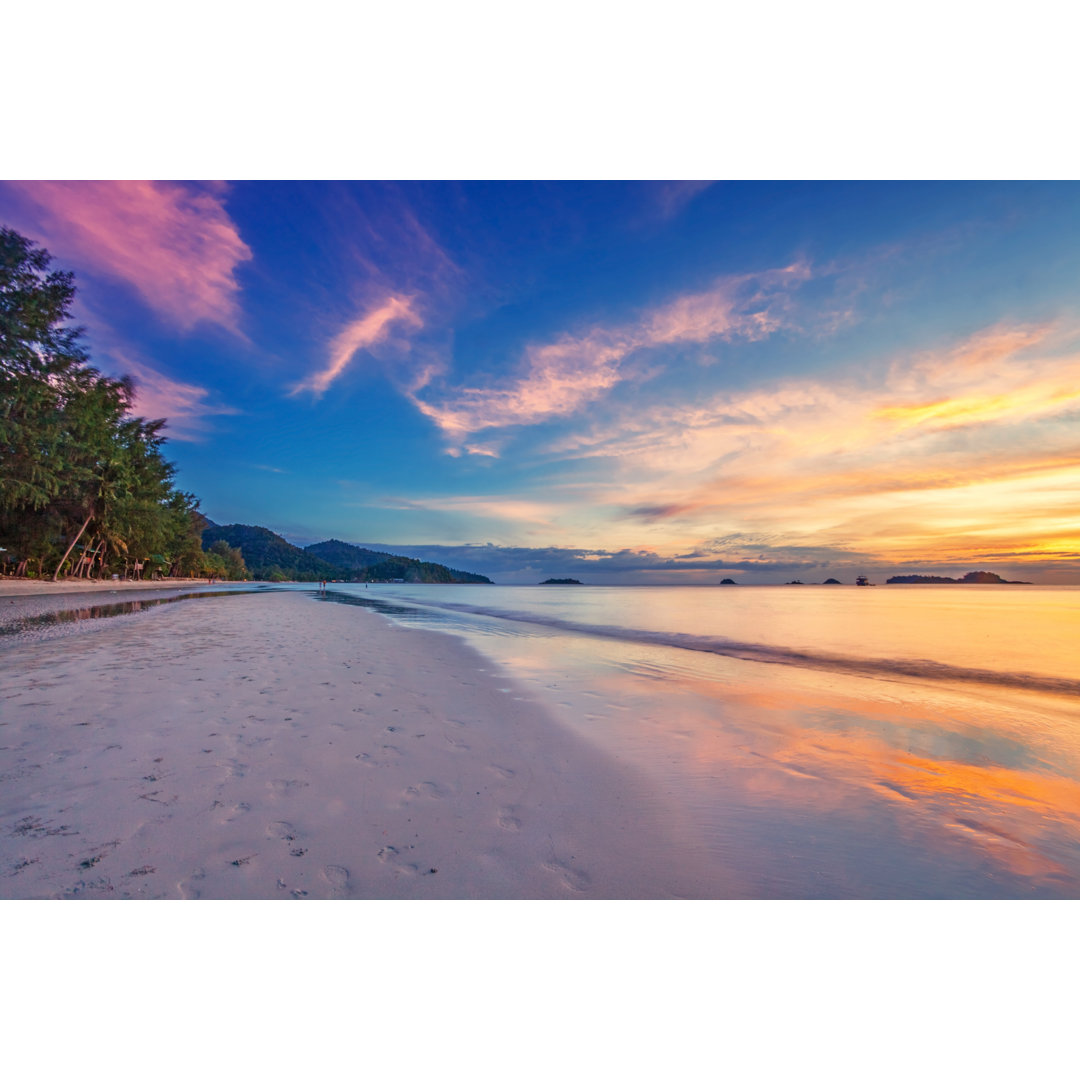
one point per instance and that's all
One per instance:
(811, 741)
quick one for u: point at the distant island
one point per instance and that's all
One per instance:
(976, 577)
(830, 581)
(561, 581)
(727, 581)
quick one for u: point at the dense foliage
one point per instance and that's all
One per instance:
(363, 564)
(84, 486)
(270, 557)
(975, 577)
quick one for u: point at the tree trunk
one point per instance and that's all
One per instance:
(56, 573)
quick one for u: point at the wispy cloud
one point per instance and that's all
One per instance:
(673, 196)
(969, 448)
(174, 244)
(371, 328)
(487, 507)
(561, 377)
(184, 405)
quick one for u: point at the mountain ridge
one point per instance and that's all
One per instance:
(270, 557)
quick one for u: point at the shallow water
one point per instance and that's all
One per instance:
(889, 742)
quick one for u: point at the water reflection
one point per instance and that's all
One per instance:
(795, 782)
(29, 624)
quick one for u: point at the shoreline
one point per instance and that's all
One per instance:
(264, 746)
(15, 587)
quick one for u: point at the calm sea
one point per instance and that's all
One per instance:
(895, 741)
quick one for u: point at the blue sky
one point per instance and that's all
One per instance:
(624, 381)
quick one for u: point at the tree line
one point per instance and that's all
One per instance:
(85, 489)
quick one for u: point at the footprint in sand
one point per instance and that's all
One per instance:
(501, 771)
(507, 820)
(281, 787)
(281, 830)
(227, 813)
(428, 788)
(337, 877)
(390, 856)
(574, 879)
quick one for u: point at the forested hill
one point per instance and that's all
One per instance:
(270, 557)
(363, 564)
(346, 556)
(976, 577)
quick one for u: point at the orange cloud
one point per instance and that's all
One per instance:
(174, 244)
(561, 377)
(362, 333)
(972, 449)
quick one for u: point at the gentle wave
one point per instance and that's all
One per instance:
(745, 650)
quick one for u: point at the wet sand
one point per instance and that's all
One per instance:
(268, 746)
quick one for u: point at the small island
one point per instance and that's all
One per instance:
(561, 581)
(830, 581)
(976, 577)
(727, 581)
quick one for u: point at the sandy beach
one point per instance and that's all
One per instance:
(20, 587)
(268, 746)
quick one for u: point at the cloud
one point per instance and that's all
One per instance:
(174, 244)
(529, 564)
(561, 377)
(184, 405)
(491, 507)
(369, 329)
(673, 196)
(969, 449)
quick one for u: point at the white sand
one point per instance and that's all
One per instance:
(13, 586)
(272, 746)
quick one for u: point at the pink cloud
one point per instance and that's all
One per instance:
(369, 329)
(184, 405)
(175, 244)
(563, 376)
(673, 196)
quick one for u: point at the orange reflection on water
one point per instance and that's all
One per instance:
(987, 781)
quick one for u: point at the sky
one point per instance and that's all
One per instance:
(620, 382)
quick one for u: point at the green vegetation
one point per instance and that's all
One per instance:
(270, 557)
(975, 577)
(363, 564)
(84, 487)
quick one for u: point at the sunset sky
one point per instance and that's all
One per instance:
(641, 382)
